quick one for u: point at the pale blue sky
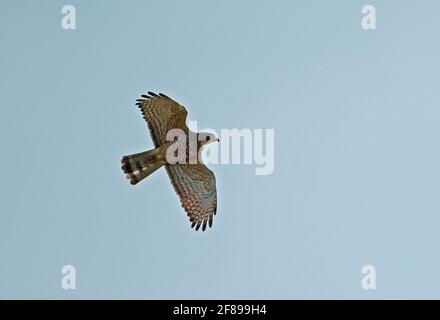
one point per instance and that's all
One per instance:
(356, 119)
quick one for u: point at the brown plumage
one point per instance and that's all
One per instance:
(194, 183)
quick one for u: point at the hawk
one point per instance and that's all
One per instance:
(192, 180)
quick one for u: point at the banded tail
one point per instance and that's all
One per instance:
(140, 165)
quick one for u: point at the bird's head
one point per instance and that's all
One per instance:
(205, 138)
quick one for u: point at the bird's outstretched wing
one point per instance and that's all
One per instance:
(162, 114)
(195, 185)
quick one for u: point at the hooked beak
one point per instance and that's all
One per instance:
(211, 141)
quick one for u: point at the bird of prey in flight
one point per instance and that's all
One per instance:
(192, 180)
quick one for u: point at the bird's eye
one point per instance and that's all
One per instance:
(208, 138)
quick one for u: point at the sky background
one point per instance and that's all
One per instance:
(356, 119)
